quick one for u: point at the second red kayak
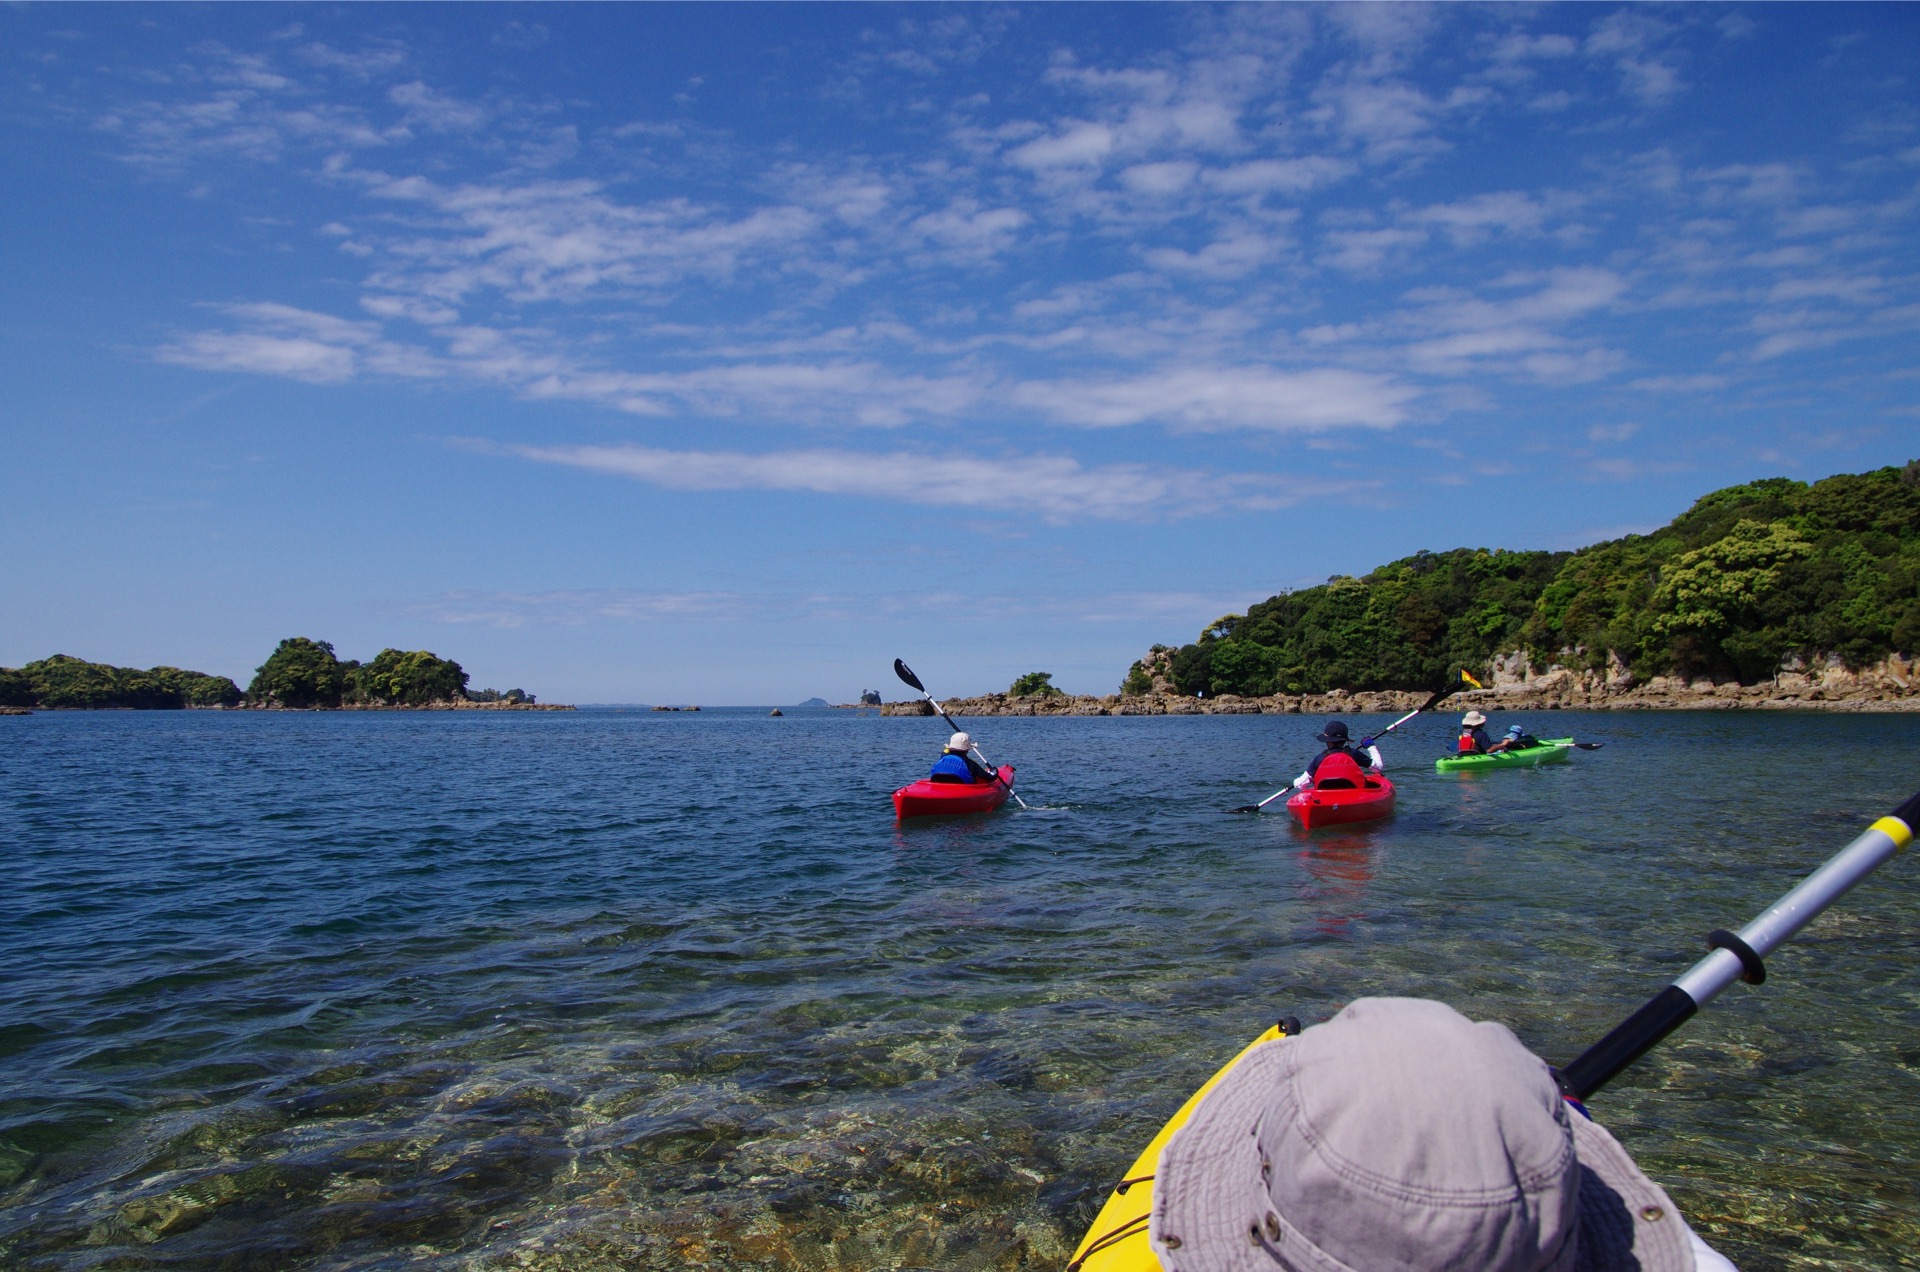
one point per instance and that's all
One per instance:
(932, 799)
(1342, 793)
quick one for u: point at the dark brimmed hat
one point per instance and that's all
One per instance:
(1402, 1137)
(1336, 731)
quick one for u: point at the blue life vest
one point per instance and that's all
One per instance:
(953, 768)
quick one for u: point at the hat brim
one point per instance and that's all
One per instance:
(1211, 1208)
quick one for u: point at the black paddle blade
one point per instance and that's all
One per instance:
(1462, 682)
(1245, 808)
(1589, 746)
(905, 673)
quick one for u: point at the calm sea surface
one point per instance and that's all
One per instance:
(631, 990)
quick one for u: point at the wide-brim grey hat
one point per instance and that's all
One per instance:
(1402, 1137)
(1472, 718)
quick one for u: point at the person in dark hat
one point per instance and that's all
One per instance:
(1334, 736)
(1402, 1137)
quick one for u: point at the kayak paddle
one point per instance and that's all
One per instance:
(1736, 955)
(905, 673)
(1428, 705)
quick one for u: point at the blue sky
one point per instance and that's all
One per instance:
(722, 354)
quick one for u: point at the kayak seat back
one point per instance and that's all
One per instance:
(1337, 773)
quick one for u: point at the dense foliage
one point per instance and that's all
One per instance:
(516, 696)
(1034, 682)
(306, 673)
(63, 681)
(1748, 578)
(299, 673)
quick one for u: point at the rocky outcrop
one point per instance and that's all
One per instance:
(1066, 704)
(1889, 685)
(1516, 685)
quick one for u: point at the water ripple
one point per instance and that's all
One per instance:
(618, 990)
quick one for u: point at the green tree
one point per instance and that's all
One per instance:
(1034, 683)
(1744, 577)
(197, 689)
(299, 673)
(15, 689)
(63, 681)
(409, 678)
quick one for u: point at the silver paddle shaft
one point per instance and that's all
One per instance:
(1792, 912)
(976, 750)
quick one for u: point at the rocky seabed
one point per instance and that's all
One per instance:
(1891, 685)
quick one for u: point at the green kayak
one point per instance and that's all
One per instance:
(1550, 751)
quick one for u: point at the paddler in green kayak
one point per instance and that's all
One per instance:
(1517, 739)
(1402, 1137)
(1473, 734)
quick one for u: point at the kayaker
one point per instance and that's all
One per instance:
(1400, 1134)
(1517, 739)
(1366, 755)
(959, 764)
(1473, 734)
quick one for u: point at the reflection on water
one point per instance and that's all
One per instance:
(631, 991)
(1337, 870)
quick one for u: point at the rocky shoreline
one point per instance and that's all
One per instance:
(1891, 685)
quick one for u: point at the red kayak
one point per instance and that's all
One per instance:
(934, 799)
(1342, 792)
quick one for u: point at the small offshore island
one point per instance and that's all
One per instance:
(300, 675)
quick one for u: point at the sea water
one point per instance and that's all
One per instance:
(617, 989)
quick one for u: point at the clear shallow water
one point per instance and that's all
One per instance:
(659, 991)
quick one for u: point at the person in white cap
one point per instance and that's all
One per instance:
(1402, 1137)
(958, 763)
(1473, 734)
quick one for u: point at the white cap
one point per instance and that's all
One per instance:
(959, 742)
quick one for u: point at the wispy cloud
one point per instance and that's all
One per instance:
(1216, 398)
(1052, 487)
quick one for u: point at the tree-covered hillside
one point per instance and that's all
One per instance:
(63, 681)
(1749, 577)
(299, 673)
(305, 673)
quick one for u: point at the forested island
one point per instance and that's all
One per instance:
(300, 674)
(1775, 576)
(1777, 593)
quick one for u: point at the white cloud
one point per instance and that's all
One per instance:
(1283, 176)
(1233, 256)
(1222, 398)
(1471, 220)
(1612, 432)
(576, 607)
(1078, 144)
(1052, 487)
(1160, 178)
(1363, 251)
(1679, 383)
(294, 357)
